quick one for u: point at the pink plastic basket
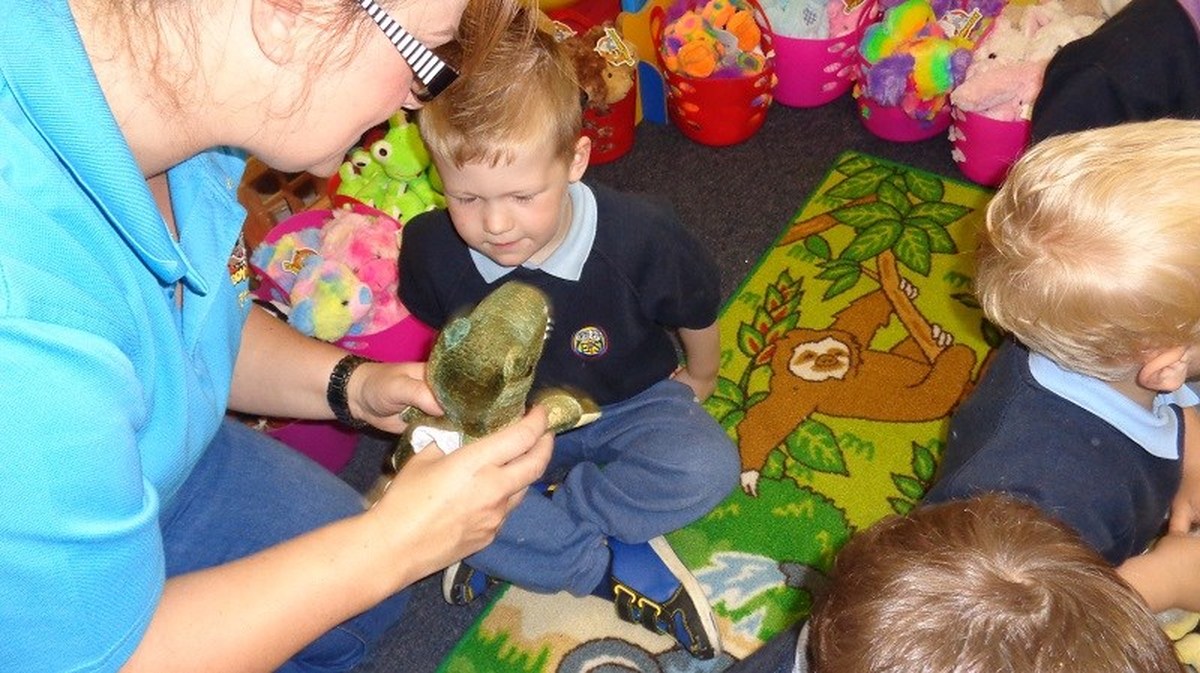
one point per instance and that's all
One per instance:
(985, 148)
(330, 443)
(815, 72)
(893, 123)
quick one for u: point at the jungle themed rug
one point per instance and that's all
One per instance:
(845, 351)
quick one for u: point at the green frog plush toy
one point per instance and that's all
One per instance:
(394, 174)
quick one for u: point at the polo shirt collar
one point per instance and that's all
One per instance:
(88, 143)
(567, 260)
(1155, 430)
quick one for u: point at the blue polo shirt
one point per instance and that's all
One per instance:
(111, 392)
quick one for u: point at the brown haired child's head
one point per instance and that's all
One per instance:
(984, 585)
(1091, 251)
(521, 98)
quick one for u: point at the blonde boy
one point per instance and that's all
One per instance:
(1091, 260)
(624, 278)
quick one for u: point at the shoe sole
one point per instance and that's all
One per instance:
(448, 582)
(692, 586)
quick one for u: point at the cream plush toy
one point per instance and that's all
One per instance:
(1006, 70)
(1180, 627)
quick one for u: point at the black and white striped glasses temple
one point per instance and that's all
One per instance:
(431, 72)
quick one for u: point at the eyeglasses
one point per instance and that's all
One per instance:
(431, 72)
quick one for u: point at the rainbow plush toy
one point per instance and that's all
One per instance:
(328, 301)
(283, 259)
(339, 279)
(914, 57)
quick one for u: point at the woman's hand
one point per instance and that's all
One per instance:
(379, 391)
(447, 507)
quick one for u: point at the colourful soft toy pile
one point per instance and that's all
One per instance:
(720, 39)
(339, 279)
(919, 52)
(815, 19)
(393, 174)
(1005, 75)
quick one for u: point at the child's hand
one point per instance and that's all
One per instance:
(703, 387)
(1166, 575)
(702, 353)
(1185, 508)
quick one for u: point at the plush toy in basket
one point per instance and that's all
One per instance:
(393, 174)
(718, 61)
(720, 39)
(994, 103)
(606, 67)
(912, 59)
(333, 275)
(605, 63)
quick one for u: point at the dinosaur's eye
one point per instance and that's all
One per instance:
(455, 331)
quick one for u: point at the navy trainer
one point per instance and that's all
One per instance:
(650, 586)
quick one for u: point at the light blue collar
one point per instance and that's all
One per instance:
(568, 259)
(1155, 430)
(111, 176)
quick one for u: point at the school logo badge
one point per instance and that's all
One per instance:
(590, 342)
(239, 271)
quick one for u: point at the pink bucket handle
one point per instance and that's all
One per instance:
(868, 15)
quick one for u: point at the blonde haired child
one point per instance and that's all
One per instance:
(624, 278)
(1091, 254)
(1090, 258)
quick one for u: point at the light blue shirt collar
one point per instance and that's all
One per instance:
(1155, 430)
(111, 176)
(567, 260)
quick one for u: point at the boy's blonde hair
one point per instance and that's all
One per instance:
(525, 93)
(1091, 253)
(985, 585)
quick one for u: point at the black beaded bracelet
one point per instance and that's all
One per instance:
(335, 393)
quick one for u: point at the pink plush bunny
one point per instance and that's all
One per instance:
(369, 245)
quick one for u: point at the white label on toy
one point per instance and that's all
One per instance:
(447, 440)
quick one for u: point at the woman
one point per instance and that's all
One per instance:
(139, 531)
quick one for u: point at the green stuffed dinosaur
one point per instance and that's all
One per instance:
(481, 371)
